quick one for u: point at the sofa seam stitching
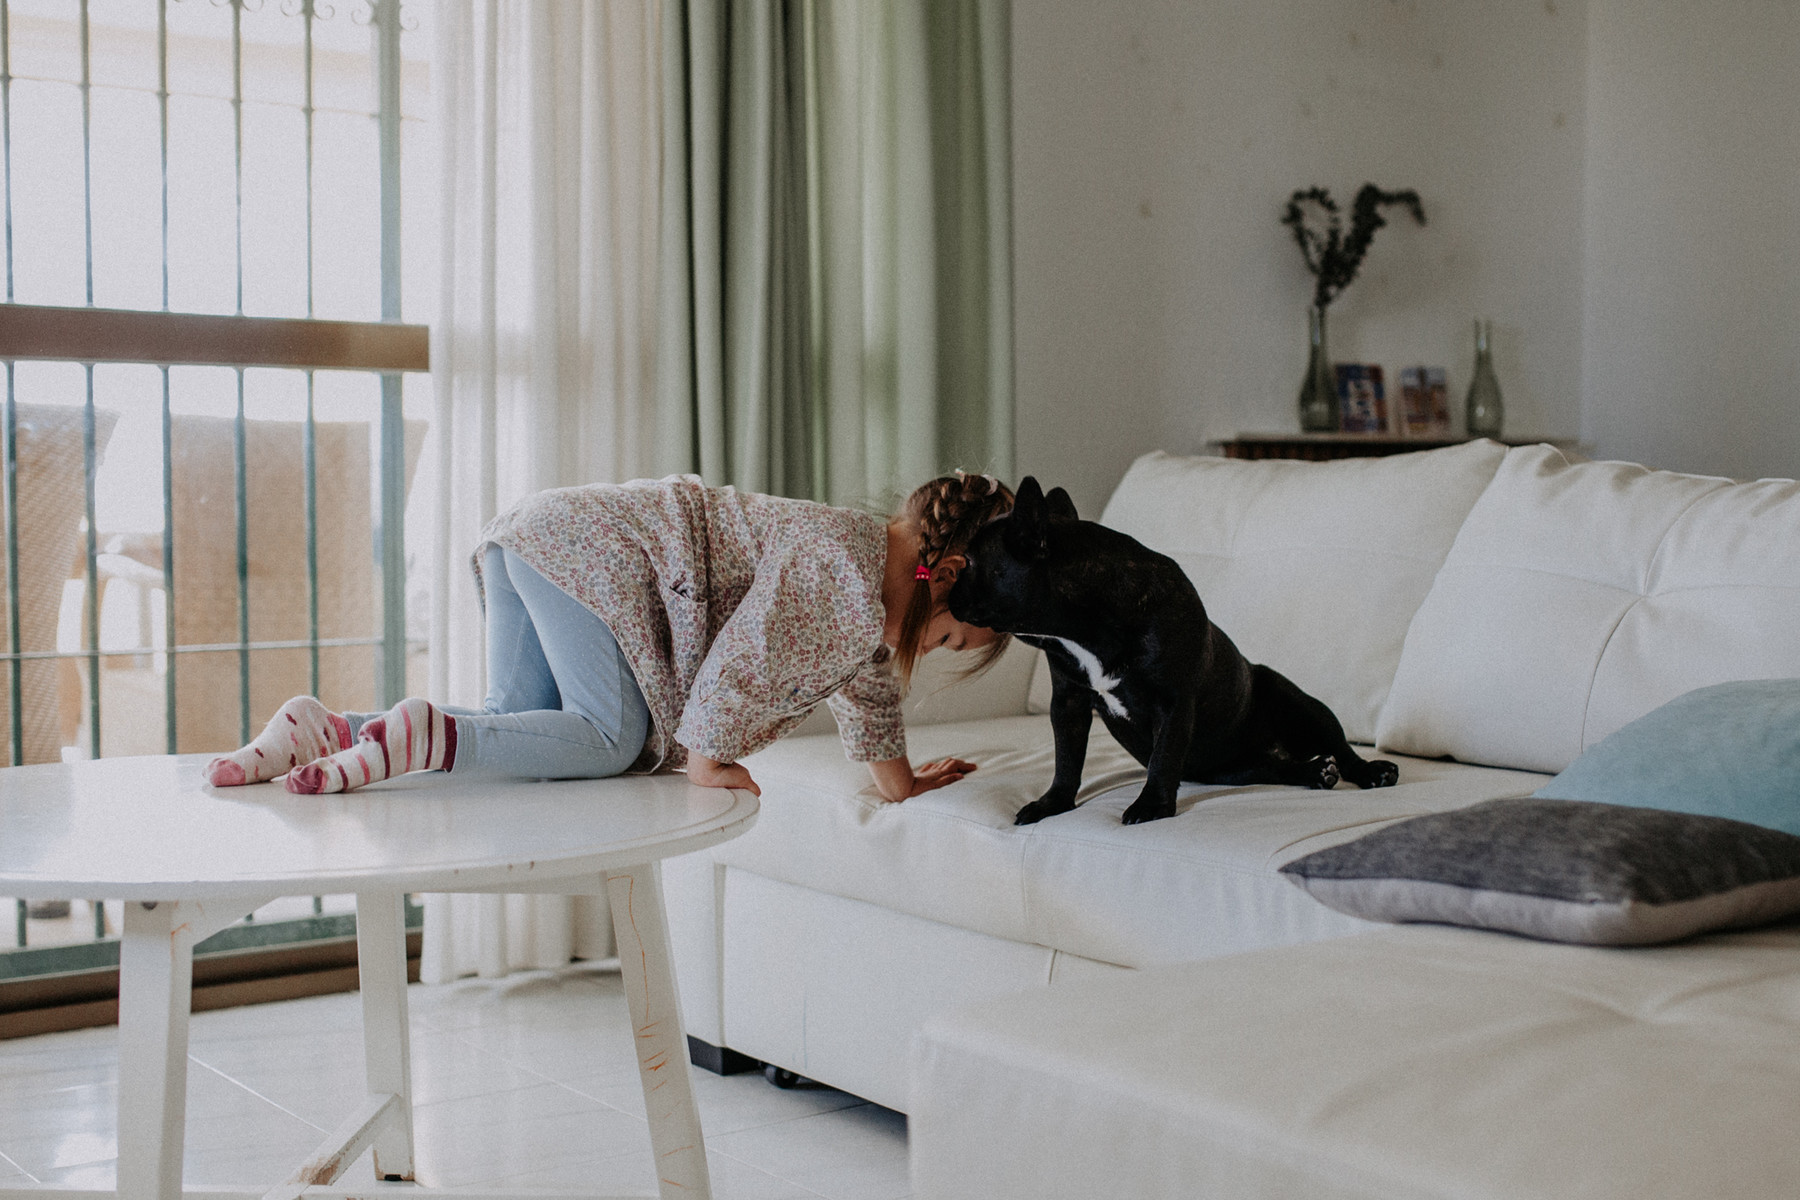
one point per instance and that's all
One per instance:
(1643, 593)
(1663, 541)
(1587, 700)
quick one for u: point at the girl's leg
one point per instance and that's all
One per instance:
(414, 735)
(596, 720)
(303, 729)
(519, 676)
(544, 647)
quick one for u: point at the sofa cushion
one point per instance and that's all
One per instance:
(1564, 871)
(940, 695)
(1312, 568)
(1579, 596)
(1420, 1063)
(1198, 884)
(1730, 750)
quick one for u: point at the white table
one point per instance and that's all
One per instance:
(188, 860)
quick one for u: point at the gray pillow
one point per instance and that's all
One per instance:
(1563, 870)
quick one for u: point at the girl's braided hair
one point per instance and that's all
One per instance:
(948, 512)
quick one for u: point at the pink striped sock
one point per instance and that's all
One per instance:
(414, 735)
(300, 731)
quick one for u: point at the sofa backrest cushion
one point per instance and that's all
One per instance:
(940, 696)
(1580, 596)
(1312, 568)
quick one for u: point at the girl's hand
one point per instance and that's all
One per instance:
(932, 775)
(707, 773)
(897, 780)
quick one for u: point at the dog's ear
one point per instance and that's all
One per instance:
(1059, 506)
(1026, 525)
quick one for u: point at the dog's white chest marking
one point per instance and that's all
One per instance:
(1098, 679)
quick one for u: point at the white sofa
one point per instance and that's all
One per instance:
(1483, 615)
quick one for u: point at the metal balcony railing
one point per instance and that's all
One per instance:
(253, 434)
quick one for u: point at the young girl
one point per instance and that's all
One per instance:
(647, 625)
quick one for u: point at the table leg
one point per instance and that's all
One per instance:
(156, 980)
(381, 963)
(648, 976)
(156, 991)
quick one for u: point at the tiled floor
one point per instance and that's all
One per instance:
(527, 1082)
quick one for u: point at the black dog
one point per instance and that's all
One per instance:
(1127, 637)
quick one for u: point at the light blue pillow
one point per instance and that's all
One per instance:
(1730, 750)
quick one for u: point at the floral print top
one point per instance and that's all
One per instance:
(738, 612)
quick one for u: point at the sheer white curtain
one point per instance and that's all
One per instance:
(545, 344)
(764, 240)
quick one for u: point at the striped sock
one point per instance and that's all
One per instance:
(414, 735)
(300, 731)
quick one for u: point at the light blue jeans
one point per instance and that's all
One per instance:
(562, 702)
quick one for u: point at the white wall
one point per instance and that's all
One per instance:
(1616, 182)
(1161, 303)
(1691, 355)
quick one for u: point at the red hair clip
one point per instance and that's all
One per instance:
(922, 572)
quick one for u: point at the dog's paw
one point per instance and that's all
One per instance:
(1327, 774)
(1148, 808)
(1381, 773)
(1037, 810)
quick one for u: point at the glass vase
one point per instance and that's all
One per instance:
(1318, 388)
(1485, 411)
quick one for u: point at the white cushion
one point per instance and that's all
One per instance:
(1421, 1063)
(1579, 596)
(1201, 883)
(1312, 568)
(1038, 699)
(939, 694)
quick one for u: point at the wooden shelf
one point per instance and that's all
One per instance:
(1321, 447)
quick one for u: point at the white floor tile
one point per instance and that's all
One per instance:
(48, 1096)
(337, 1013)
(852, 1154)
(561, 1054)
(634, 1173)
(96, 1176)
(530, 1081)
(225, 1124)
(728, 1103)
(571, 997)
(506, 1133)
(20, 1057)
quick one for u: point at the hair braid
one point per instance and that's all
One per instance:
(947, 512)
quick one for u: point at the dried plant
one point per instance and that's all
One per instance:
(1333, 258)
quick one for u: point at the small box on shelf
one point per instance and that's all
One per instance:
(1362, 398)
(1424, 408)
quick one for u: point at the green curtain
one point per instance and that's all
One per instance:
(835, 313)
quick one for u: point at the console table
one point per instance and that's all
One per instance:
(189, 859)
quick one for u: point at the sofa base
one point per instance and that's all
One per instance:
(720, 1060)
(832, 989)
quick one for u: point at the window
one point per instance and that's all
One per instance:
(217, 256)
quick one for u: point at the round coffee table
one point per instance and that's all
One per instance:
(189, 859)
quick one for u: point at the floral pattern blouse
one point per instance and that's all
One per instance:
(739, 613)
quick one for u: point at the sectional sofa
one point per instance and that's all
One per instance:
(1480, 614)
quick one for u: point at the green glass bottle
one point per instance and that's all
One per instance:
(1486, 413)
(1318, 390)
